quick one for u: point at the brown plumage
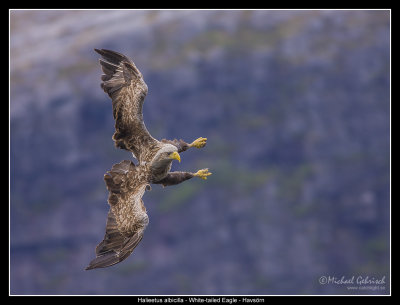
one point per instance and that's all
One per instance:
(127, 182)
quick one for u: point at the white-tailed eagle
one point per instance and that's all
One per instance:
(127, 182)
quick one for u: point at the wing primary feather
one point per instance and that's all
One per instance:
(105, 260)
(110, 257)
(108, 68)
(112, 56)
(105, 77)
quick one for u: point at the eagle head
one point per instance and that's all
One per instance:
(170, 152)
(165, 156)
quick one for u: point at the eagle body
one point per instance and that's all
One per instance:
(127, 182)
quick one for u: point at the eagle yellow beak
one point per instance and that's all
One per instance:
(175, 156)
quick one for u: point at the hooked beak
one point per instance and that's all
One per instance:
(175, 156)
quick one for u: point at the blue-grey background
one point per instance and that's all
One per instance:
(295, 106)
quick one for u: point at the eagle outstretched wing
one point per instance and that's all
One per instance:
(124, 83)
(127, 217)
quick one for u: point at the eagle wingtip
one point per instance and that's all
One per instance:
(89, 267)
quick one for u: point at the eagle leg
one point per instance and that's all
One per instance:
(183, 146)
(175, 178)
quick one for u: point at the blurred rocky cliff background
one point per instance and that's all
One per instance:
(295, 106)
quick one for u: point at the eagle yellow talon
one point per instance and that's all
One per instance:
(202, 173)
(199, 143)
